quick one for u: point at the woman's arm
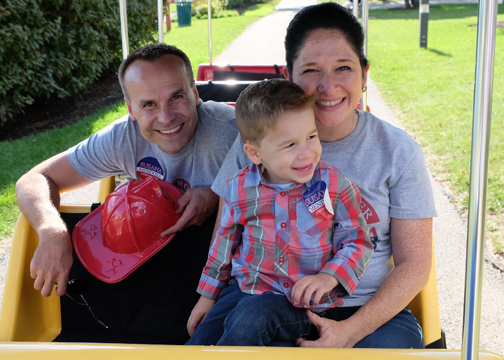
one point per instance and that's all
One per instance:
(412, 252)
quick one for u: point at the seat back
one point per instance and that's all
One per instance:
(211, 72)
(221, 91)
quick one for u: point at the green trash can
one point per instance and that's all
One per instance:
(184, 12)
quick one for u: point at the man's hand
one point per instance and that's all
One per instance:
(52, 261)
(319, 284)
(199, 313)
(332, 333)
(198, 205)
(38, 195)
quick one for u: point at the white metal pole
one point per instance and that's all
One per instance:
(482, 111)
(160, 21)
(124, 28)
(355, 11)
(209, 32)
(365, 19)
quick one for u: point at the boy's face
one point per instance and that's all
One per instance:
(290, 151)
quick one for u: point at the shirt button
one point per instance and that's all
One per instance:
(281, 259)
(282, 193)
(286, 285)
(284, 225)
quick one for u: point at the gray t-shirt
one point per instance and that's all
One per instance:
(388, 167)
(120, 148)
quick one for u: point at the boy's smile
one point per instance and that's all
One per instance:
(291, 151)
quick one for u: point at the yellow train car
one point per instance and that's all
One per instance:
(29, 322)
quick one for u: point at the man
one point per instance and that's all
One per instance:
(169, 134)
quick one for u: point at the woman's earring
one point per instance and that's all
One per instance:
(364, 88)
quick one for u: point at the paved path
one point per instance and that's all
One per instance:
(262, 43)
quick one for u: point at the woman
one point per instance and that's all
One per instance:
(324, 56)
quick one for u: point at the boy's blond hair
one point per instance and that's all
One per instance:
(261, 103)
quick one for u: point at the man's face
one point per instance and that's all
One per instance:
(163, 101)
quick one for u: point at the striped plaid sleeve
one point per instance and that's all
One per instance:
(352, 245)
(217, 270)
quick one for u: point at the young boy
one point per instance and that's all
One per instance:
(292, 236)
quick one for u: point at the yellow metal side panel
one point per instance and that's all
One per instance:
(425, 307)
(54, 351)
(106, 187)
(25, 314)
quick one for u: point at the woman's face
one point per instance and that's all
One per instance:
(329, 67)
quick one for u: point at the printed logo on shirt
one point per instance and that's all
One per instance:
(371, 217)
(182, 185)
(148, 167)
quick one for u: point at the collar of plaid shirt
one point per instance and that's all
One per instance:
(255, 178)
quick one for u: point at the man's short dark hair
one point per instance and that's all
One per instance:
(151, 53)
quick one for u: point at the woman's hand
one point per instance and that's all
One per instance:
(332, 333)
(199, 313)
(412, 254)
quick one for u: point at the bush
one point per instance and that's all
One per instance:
(58, 47)
(201, 8)
(236, 4)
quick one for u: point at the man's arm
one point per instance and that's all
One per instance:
(38, 195)
(412, 251)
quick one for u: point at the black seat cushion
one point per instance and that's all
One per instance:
(150, 306)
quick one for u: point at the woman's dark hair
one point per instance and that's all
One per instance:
(330, 16)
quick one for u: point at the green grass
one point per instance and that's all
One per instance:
(431, 89)
(19, 156)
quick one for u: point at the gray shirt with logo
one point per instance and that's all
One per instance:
(388, 167)
(120, 148)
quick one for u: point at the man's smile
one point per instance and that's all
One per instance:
(172, 130)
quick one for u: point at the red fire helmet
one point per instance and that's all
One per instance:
(124, 232)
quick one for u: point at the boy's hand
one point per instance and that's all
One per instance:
(319, 284)
(199, 313)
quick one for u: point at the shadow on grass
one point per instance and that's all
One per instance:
(440, 53)
(436, 12)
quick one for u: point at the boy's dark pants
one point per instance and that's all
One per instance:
(240, 319)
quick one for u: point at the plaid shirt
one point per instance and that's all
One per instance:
(268, 239)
